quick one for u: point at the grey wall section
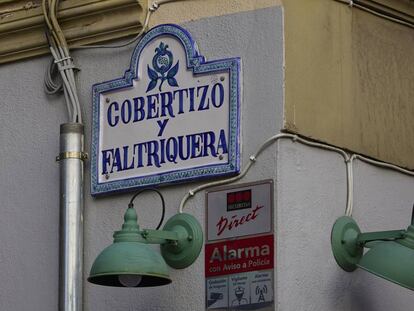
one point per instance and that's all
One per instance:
(29, 131)
(29, 189)
(311, 194)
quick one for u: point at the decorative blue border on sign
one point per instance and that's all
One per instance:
(198, 64)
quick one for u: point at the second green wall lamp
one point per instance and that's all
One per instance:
(390, 254)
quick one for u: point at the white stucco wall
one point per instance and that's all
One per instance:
(311, 194)
(310, 188)
(29, 176)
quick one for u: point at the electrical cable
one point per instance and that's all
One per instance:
(349, 160)
(349, 209)
(253, 159)
(383, 164)
(151, 9)
(52, 84)
(62, 61)
(350, 188)
(134, 39)
(355, 4)
(131, 203)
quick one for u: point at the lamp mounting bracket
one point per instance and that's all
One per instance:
(185, 250)
(345, 248)
(348, 242)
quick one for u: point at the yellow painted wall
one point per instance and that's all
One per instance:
(349, 74)
(187, 10)
(350, 79)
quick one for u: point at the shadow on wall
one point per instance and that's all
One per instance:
(360, 300)
(350, 292)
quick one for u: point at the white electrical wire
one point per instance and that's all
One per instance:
(383, 164)
(63, 61)
(69, 87)
(134, 39)
(253, 159)
(151, 9)
(354, 4)
(349, 160)
(350, 187)
(349, 208)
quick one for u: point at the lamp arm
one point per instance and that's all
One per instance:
(159, 236)
(364, 238)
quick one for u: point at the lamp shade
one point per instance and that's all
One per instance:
(129, 259)
(129, 262)
(390, 254)
(391, 260)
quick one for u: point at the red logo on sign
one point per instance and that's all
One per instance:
(237, 256)
(239, 200)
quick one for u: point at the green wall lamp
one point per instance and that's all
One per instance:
(390, 254)
(131, 262)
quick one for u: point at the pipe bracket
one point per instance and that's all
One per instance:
(72, 155)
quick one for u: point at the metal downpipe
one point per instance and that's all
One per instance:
(71, 216)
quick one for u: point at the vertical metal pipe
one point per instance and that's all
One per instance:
(71, 217)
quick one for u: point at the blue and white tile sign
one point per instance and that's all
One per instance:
(173, 117)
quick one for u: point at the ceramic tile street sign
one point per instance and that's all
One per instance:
(173, 117)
